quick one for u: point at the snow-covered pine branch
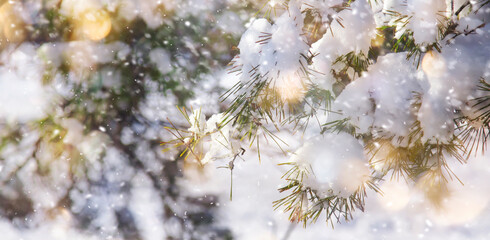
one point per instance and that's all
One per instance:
(400, 90)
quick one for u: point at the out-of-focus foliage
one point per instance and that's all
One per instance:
(87, 88)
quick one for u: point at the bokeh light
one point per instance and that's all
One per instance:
(11, 22)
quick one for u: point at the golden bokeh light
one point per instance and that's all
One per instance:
(12, 25)
(378, 41)
(379, 158)
(460, 207)
(433, 64)
(433, 185)
(290, 88)
(396, 195)
(94, 24)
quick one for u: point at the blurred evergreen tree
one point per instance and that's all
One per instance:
(94, 144)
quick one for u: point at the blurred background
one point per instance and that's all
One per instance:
(86, 89)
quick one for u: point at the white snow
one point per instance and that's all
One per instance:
(336, 164)
(277, 53)
(161, 58)
(353, 34)
(23, 96)
(380, 101)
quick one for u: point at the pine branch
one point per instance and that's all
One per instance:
(474, 130)
(305, 205)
